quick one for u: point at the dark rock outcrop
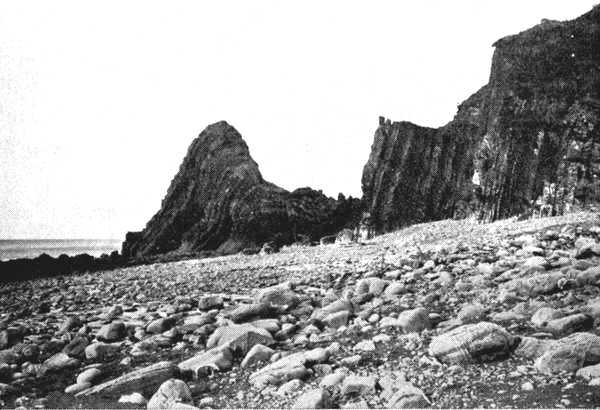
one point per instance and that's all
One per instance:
(219, 201)
(529, 138)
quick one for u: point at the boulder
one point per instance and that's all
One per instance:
(337, 319)
(76, 347)
(573, 323)
(313, 399)
(471, 313)
(72, 322)
(145, 380)
(215, 359)
(483, 341)
(101, 351)
(407, 396)
(532, 348)
(6, 372)
(10, 337)
(239, 338)
(170, 395)
(210, 302)
(77, 387)
(161, 325)
(133, 398)
(354, 384)
(560, 359)
(570, 353)
(259, 353)
(199, 320)
(288, 368)
(394, 289)
(544, 315)
(270, 325)
(58, 363)
(244, 313)
(372, 286)
(279, 295)
(111, 332)
(539, 284)
(589, 372)
(414, 320)
(332, 380)
(89, 376)
(590, 276)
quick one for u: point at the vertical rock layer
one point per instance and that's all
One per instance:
(532, 133)
(219, 201)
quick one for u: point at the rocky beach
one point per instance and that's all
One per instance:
(466, 275)
(443, 314)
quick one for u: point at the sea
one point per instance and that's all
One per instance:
(32, 248)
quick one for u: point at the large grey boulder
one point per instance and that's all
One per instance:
(313, 399)
(215, 359)
(145, 379)
(239, 338)
(570, 353)
(111, 332)
(170, 395)
(247, 312)
(278, 295)
(482, 341)
(288, 368)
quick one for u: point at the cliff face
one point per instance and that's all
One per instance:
(219, 201)
(531, 134)
(416, 174)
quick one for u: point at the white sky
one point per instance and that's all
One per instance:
(100, 100)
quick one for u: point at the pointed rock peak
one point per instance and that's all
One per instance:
(218, 201)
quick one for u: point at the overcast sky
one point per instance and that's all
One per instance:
(100, 100)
